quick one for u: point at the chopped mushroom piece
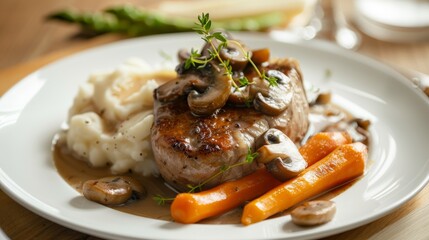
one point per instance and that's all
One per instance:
(313, 213)
(271, 136)
(323, 98)
(175, 88)
(236, 54)
(260, 56)
(357, 128)
(275, 99)
(280, 155)
(214, 97)
(207, 89)
(114, 190)
(286, 168)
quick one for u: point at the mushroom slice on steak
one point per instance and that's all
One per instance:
(260, 56)
(207, 89)
(271, 136)
(214, 96)
(274, 99)
(180, 86)
(280, 155)
(236, 54)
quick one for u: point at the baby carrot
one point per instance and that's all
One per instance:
(321, 144)
(343, 164)
(193, 207)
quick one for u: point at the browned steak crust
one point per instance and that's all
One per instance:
(189, 149)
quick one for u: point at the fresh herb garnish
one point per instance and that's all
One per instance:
(203, 28)
(250, 156)
(272, 81)
(160, 200)
(243, 81)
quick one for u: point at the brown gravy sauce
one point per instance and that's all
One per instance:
(75, 172)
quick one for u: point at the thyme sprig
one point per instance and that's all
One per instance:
(203, 28)
(195, 60)
(250, 156)
(160, 200)
(272, 81)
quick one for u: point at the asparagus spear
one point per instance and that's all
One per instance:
(135, 21)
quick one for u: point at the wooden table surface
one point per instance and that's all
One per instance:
(28, 42)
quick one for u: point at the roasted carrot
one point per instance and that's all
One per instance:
(343, 164)
(321, 144)
(193, 207)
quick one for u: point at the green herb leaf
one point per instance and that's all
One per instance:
(219, 36)
(227, 66)
(248, 103)
(243, 81)
(250, 156)
(208, 25)
(272, 81)
(224, 168)
(160, 200)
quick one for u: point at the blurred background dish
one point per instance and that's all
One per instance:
(180, 16)
(221, 10)
(393, 20)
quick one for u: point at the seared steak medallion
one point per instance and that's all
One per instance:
(191, 146)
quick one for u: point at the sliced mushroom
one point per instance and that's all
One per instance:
(323, 98)
(260, 56)
(112, 190)
(285, 168)
(362, 123)
(277, 98)
(138, 189)
(242, 96)
(313, 213)
(271, 136)
(239, 97)
(214, 97)
(280, 155)
(236, 54)
(357, 128)
(180, 86)
(183, 55)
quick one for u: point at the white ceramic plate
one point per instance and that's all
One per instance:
(32, 112)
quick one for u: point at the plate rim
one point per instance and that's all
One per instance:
(7, 184)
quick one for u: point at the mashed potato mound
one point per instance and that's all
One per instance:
(111, 117)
